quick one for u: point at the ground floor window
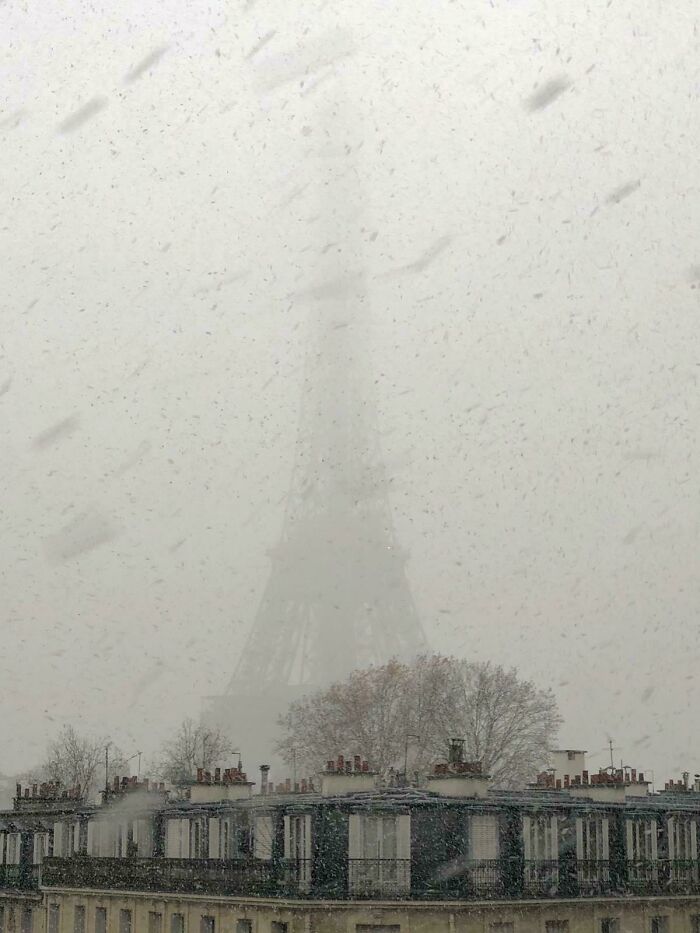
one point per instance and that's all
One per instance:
(609, 925)
(177, 923)
(54, 918)
(79, 919)
(100, 920)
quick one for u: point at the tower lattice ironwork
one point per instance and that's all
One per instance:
(337, 596)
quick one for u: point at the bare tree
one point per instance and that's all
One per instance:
(192, 746)
(75, 761)
(400, 714)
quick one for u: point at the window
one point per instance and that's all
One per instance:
(41, 847)
(506, 926)
(177, 923)
(54, 918)
(373, 928)
(609, 925)
(124, 921)
(483, 837)
(27, 922)
(659, 925)
(244, 926)
(206, 925)
(263, 835)
(155, 922)
(380, 850)
(2, 920)
(557, 926)
(13, 845)
(100, 920)
(79, 919)
(695, 923)
(278, 927)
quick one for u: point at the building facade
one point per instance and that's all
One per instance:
(575, 853)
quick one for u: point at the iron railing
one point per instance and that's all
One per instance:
(25, 877)
(540, 878)
(460, 879)
(379, 877)
(207, 876)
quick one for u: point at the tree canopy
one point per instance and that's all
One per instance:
(398, 713)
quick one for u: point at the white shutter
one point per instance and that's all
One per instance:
(214, 838)
(403, 836)
(287, 836)
(172, 839)
(354, 836)
(605, 843)
(554, 839)
(526, 838)
(3, 837)
(580, 851)
(670, 829)
(652, 827)
(58, 838)
(145, 838)
(483, 836)
(307, 836)
(262, 842)
(13, 844)
(184, 838)
(91, 846)
(105, 839)
(693, 840)
(630, 840)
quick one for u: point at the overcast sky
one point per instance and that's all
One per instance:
(529, 227)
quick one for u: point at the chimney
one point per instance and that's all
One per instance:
(217, 775)
(357, 763)
(18, 790)
(330, 766)
(200, 775)
(264, 775)
(341, 763)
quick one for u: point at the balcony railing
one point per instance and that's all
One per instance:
(19, 876)
(677, 876)
(364, 878)
(540, 878)
(193, 876)
(388, 877)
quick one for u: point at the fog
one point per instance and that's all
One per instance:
(523, 193)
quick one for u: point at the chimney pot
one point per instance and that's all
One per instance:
(641, 777)
(217, 775)
(357, 763)
(365, 765)
(341, 763)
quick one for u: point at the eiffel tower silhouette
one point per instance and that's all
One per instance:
(337, 596)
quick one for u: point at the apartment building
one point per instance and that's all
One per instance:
(574, 853)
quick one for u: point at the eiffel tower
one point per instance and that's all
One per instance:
(337, 597)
